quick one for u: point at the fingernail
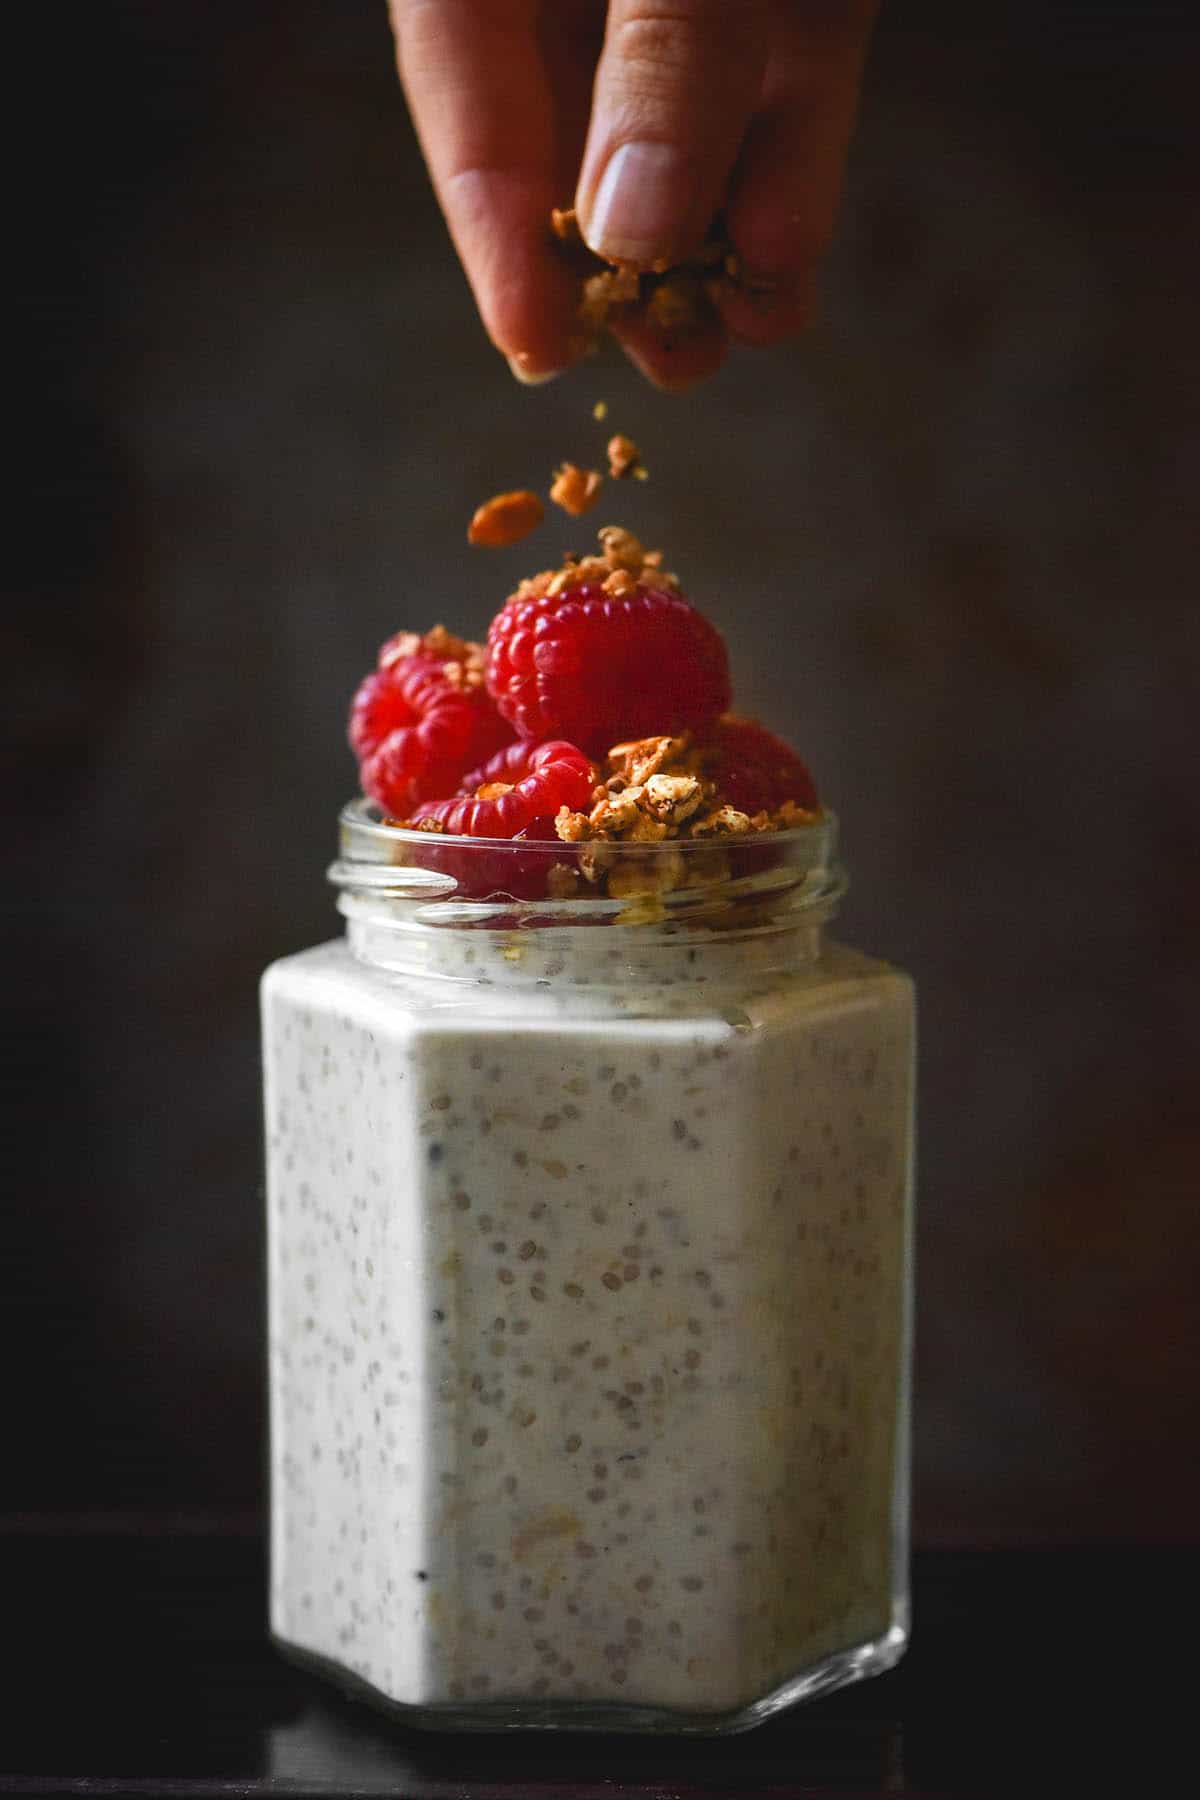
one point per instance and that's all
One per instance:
(527, 372)
(642, 204)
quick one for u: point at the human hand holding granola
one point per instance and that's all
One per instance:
(659, 115)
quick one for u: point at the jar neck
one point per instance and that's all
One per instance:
(626, 916)
(534, 958)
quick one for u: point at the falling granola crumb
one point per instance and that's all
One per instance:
(624, 457)
(576, 490)
(505, 519)
(600, 410)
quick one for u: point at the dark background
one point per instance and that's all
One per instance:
(951, 538)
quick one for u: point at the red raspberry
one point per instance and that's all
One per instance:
(755, 770)
(536, 782)
(415, 728)
(599, 668)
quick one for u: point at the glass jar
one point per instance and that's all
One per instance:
(590, 1284)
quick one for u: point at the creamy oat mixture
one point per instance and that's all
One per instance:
(588, 1324)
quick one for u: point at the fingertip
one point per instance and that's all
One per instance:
(759, 311)
(783, 201)
(673, 362)
(525, 368)
(675, 89)
(527, 299)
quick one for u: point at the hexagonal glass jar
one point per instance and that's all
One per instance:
(590, 1284)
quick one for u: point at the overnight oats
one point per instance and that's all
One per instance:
(589, 1172)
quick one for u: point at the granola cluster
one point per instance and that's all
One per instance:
(676, 299)
(507, 518)
(662, 787)
(622, 562)
(463, 662)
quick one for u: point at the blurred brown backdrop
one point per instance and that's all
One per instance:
(952, 539)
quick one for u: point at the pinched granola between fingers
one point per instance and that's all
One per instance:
(676, 300)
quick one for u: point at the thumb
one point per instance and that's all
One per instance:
(676, 86)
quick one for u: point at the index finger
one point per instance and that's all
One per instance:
(480, 99)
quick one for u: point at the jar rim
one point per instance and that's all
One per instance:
(364, 823)
(437, 878)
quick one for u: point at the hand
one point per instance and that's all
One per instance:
(656, 115)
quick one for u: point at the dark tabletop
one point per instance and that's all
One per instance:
(139, 1665)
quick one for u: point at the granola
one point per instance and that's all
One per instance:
(676, 300)
(622, 550)
(622, 554)
(673, 799)
(652, 791)
(624, 457)
(657, 788)
(505, 519)
(605, 293)
(636, 762)
(576, 490)
(463, 662)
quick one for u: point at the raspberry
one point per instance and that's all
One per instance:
(533, 782)
(597, 667)
(753, 769)
(416, 724)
